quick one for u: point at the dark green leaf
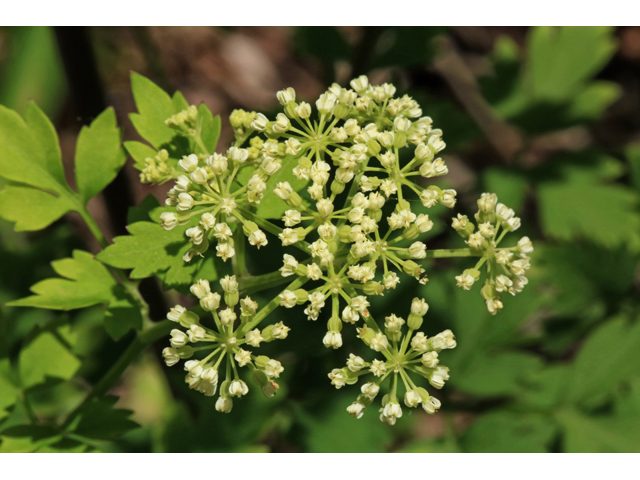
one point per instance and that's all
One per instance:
(101, 421)
(509, 432)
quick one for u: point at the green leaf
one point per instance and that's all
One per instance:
(609, 356)
(122, 314)
(633, 155)
(561, 59)
(44, 130)
(582, 205)
(8, 392)
(23, 158)
(32, 69)
(99, 420)
(209, 127)
(323, 42)
(99, 155)
(591, 102)
(553, 88)
(336, 431)
(150, 250)
(139, 152)
(86, 282)
(46, 357)
(509, 432)
(154, 107)
(32, 209)
(496, 374)
(601, 434)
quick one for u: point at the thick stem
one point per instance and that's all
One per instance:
(253, 284)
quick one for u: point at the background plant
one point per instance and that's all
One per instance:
(556, 374)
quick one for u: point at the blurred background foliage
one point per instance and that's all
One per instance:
(548, 118)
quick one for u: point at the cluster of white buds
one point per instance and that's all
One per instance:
(378, 144)
(207, 190)
(158, 169)
(185, 121)
(227, 337)
(404, 352)
(506, 267)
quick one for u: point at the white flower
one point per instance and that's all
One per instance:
(379, 342)
(227, 316)
(171, 356)
(419, 307)
(168, 220)
(229, 283)
(393, 324)
(392, 410)
(188, 163)
(253, 338)
(419, 342)
(176, 313)
(286, 96)
(224, 404)
(418, 250)
(289, 266)
(239, 155)
(207, 221)
(259, 122)
(525, 245)
(243, 357)
(273, 368)
(412, 399)
(370, 390)
(258, 238)
(238, 388)
(355, 363)
(465, 281)
(288, 299)
(332, 340)
(431, 406)
(356, 409)
(439, 376)
(430, 359)
(378, 368)
(487, 202)
(494, 305)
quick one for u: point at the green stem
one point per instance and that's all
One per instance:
(239, 260)
(252, 284)
(270, 307)
(142, 340)
(455, 252)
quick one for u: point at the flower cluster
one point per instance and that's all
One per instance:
(379, 144)
(226, 337)
(506, 268)
(403, 352)
(365, 162)
(209, 192)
